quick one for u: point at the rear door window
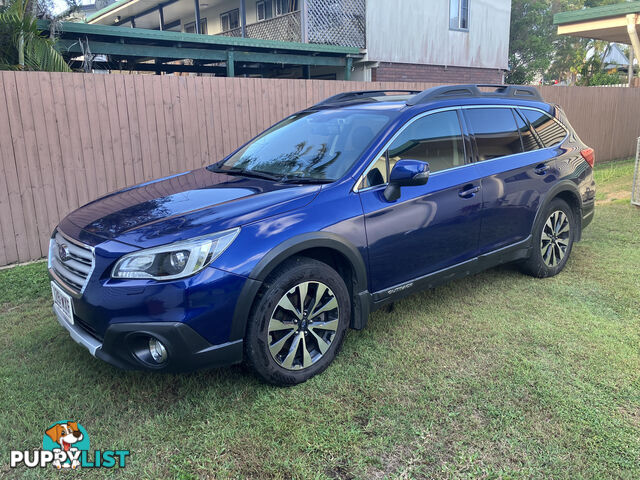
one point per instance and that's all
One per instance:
(495, 131)
(549, 131)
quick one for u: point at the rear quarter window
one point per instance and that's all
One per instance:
(549, 130)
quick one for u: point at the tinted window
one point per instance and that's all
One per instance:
(529, 141)
(322, 144)
(550, 132)
(436, 139)
(495, 131)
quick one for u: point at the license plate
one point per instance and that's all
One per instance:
(63, 302)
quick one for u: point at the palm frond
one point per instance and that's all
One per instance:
(40, 54)
(17, 28)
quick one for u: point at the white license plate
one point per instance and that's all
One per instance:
(63, 302)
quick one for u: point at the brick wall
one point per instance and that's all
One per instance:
(410, 72)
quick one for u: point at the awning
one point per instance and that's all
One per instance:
(155, 50)
(612, 23)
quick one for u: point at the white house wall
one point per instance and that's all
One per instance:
(417, 31)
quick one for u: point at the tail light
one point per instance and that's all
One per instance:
(589, 155)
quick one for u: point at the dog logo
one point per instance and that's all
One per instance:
(63, 252)
(66, 439)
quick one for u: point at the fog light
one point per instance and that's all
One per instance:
(157, 350)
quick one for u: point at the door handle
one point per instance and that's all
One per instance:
(541, 169)
(469, 191)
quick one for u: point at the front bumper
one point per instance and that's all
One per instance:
(124, 346)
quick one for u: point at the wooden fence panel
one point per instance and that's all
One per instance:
(10, 204)
(25, 222)
(67, 138)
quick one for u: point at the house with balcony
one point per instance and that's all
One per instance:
(455, 41)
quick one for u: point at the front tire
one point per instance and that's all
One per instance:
(298, 322)
(553, 238)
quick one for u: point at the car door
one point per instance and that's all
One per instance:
(430, 227)
(515, 171)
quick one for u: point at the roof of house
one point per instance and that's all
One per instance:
(595, 13)
(609, 23)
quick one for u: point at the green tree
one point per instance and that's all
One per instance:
(22, 45)
(535, 50)
(530, 40)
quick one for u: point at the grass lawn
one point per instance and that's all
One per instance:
(496, 376)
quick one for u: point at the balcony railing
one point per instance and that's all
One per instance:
(334, 22)
(285, 28)
(327, 22)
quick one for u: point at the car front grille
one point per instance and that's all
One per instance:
(71, 261)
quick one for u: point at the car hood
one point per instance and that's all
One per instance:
(184, 206)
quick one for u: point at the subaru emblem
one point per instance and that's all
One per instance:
(63, 252)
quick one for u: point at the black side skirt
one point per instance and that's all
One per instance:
(511, 253)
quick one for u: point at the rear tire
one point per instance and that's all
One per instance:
(298, 322)
(552, 240)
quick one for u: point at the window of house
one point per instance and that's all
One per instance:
(495, 131)
(286, 6)
(191, 27)
(549, 130)
(230, 20)
(261, 13)
(459, 14)
(264, 10)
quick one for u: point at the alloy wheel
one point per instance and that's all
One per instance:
(303, 325)
(554, 241)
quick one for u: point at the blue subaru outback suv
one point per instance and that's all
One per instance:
(269, 255)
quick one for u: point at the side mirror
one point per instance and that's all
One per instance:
(406, 173)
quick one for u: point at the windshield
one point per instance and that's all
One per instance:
(319, 145)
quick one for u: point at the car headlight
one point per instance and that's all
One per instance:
(175, 260)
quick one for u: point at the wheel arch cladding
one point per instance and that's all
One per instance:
(568, 192)
(326, 247)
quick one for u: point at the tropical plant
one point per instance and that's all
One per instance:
(22, 45)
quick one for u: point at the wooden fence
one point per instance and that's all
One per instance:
(66, 139)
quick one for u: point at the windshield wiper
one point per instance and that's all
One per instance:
(318, 181)
(269, 176)
(244, 173)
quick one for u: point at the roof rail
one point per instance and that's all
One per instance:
(446, 92)
(362, 94)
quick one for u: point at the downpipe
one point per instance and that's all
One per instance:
(633, 34)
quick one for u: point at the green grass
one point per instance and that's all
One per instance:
(616, 178)
(496, 376)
